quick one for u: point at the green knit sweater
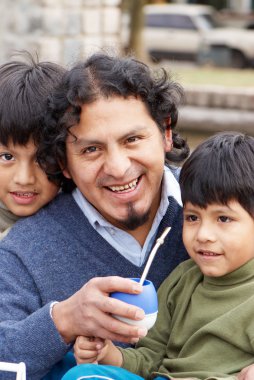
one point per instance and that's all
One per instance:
(205, 327)
(7, 219)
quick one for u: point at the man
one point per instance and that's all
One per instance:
(110, 125)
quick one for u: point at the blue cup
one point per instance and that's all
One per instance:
(147, 300)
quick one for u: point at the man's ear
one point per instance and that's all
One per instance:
(168, 139)
(66, 173)
(65, 170)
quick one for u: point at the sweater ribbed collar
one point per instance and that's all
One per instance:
(238, 276)
(7, 218)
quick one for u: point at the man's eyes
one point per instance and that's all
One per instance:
(93, 148)
(132, 139)
(90, 149)
(6, 157)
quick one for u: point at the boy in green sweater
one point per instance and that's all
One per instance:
(24, 88)
(204, 328)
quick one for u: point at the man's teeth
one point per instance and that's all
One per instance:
(128, 186)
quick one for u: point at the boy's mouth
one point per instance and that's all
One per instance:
(208, 253)
(24, 198)
(24, 194)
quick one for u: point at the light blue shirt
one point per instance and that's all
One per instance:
(121, 240)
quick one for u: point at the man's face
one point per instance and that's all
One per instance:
(25, 187)
(117, 160)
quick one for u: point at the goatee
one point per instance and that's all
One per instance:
(134, 220)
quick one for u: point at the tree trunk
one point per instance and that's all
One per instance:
(136, 26)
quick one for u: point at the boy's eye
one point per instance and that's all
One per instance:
(224, 219)
(190, 218)
(6, 157)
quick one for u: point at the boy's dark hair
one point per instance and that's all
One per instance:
(219, 170)
(24, 88)
(106, 76)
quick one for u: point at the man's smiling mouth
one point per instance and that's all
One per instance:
(126, 187)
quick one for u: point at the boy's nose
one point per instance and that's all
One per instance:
(25, 175)
(205, 233)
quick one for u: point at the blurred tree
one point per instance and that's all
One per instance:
(136, 25)
(135, 10)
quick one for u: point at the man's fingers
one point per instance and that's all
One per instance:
(110, 328)
(113, 306)
(115, 284)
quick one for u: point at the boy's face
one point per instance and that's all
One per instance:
(219, 238)
(117, 160)
(24, 186)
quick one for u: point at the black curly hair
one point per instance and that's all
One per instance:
(104, 75)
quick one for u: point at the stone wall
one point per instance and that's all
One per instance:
(210, 109)
(58, 30)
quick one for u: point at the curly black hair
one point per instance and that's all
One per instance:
(104, 75)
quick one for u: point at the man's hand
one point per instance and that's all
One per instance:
(246, 373)
(88, 312)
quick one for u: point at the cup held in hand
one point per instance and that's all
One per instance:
(147, 300)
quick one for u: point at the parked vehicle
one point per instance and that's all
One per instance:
(191, 32)
(228, 47)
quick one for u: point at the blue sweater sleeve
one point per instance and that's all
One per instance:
(47, 257)
(27, 332)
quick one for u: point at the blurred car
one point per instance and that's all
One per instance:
(191, 32)
(228, 47)
(176, 31)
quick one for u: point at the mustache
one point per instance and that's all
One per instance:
(108, 180)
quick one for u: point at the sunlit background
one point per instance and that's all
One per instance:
(207, 46)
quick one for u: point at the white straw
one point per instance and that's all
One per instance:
(159, 242)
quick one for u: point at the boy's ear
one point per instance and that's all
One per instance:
(168, 139)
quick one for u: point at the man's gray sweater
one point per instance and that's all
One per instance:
(49, 257)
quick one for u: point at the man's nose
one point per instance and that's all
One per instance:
(117, 163)
(25, 174)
